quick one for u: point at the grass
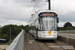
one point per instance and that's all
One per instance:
(8, 43)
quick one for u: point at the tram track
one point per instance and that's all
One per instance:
(32, 44)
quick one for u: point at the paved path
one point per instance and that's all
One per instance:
(3, 47)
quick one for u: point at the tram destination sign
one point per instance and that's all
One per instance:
(47, 14)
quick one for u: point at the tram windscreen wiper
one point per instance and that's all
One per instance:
(52, 27)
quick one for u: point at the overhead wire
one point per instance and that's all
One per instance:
(35, 8)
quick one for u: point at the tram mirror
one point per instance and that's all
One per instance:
(57, 20)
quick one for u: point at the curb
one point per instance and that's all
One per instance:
(70, 41)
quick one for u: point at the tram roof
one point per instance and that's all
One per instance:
(39, 11)
(44, 11)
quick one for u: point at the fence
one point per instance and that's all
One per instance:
(18, 42)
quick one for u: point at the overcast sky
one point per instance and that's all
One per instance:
(19, 11)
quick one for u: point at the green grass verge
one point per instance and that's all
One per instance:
(8, 43)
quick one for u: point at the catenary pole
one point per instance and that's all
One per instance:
(49, 7)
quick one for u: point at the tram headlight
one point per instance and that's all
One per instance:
(42, 32)
(55, 32)
(55, 35)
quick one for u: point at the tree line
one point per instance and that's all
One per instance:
(15, 30)
(67, 26)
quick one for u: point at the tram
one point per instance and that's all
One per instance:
(44, 25)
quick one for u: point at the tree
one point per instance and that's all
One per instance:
(26, 28)
(5, 31)
(68, 24)
(15, 30)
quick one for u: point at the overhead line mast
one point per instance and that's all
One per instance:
(37, 1)
(49, 4)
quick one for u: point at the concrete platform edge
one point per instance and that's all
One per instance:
(70, 41)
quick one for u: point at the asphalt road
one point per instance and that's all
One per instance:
(31, 44)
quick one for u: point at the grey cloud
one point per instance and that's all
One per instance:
(27, 3)
(24, 3)
(21, 10)
(21, 1)
(6, 22)
(70, 17)
(14, 12)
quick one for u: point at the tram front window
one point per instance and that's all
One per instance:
(48, 23)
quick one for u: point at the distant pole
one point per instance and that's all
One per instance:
(49, 4)
(10, 35)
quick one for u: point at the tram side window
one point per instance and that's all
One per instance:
(34, 27)
(38, 25)
(31, 27)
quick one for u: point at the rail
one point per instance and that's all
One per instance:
(17, 43)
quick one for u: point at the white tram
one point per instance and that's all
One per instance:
(44, 25)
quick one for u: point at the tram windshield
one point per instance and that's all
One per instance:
(48, 23)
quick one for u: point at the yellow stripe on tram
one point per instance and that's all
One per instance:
(49, 33)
